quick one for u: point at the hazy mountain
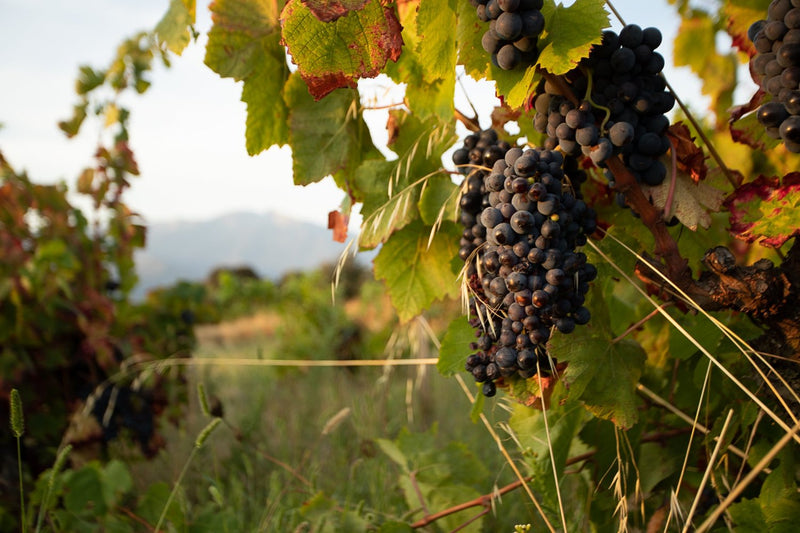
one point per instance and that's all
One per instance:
(271, 244)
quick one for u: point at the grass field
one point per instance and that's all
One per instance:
(296, 436)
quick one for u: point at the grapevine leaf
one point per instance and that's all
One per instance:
(383, 214)
(437, 43)
(695, 47)
(338, 223)
(326, 136)
(173, 30)
(691, 203)
(394, 452)
(565, 420)
(391, 190)
(330, 10)
(425, 95)
(438, 200)
(330, 55)
(455, 347)
(690, 157)
(602, 373)
(746, 129)
(416, 275)
(740, 15)
(514, 89)
(235, 45)
(244, 44)
(444, 476)
(267, 113)
(469, 32)
(765, 210)
(570, 33)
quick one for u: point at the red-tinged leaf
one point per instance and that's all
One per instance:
(503, 114)
(338, 223)
(765, 210)
(328, 11)
(690, 157)
(740, 15)
(739, 111)
(691, 202)
(746, 129)
(330, 55)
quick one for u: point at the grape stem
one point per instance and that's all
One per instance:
(672, 182)
(588, 97)
(471, 123)
(666, 247)
(561, 84)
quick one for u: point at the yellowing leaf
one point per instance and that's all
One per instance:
(691, 202)
(174, 29)
(330, 55)
(570, 33)
(437, 41)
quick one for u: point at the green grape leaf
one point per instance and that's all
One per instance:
(570, 33)
(436, 40)
(423, 97)
(469, 31)
(173, 31)
(439, 200)
(83, 492)
(235, 41)
(695, 47)
(327, 136)
(417, 274)
(765, 210)
(455, 347)
(514, 89)
(603, 374)
(391, 190)
(267, 113)
(244, 44)
(330, 10)
(383, 214)
(330, 55)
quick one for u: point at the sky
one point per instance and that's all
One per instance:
(187, 131)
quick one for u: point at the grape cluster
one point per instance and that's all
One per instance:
(479, 153)
(525, 275)
(514, 29)
(624, 106)
(776, 67)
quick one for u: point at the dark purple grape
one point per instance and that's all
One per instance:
(621, 133)
(631, 36)
(509, 56)
(789, 55)
(509, 26)
(508, 5)
(771, 114)
(532, 23)
(623, 60)
(790, 129)
(651, 37)
(491, 42)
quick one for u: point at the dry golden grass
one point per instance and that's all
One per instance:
(262, 324)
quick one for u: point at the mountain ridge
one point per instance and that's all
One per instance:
(269, 243)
